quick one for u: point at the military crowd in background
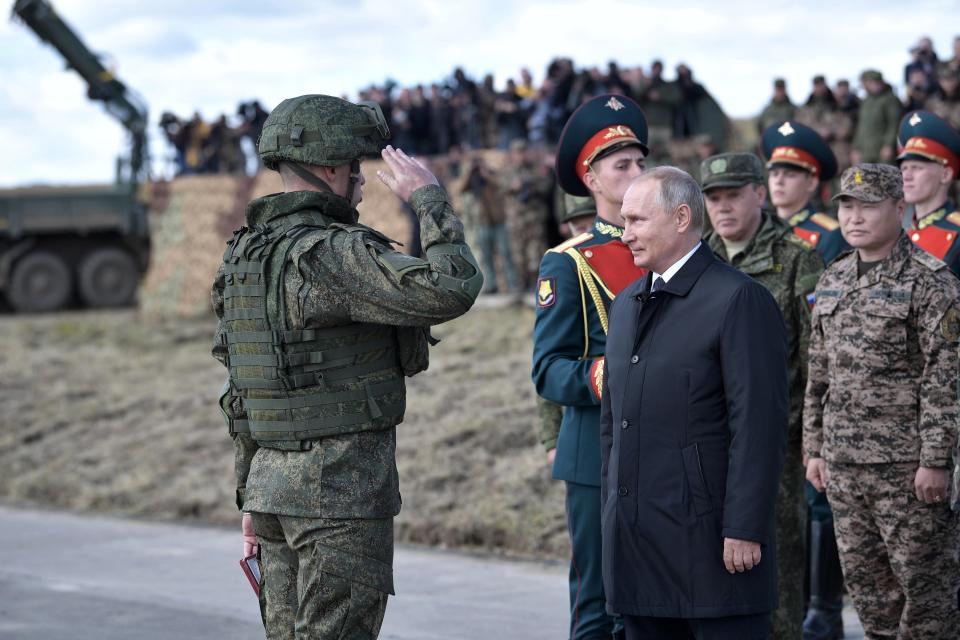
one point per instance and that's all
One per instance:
(513, 211)
(202, 147)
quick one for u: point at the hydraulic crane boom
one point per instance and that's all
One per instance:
(118, 100)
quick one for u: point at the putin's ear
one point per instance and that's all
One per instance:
(683, 218)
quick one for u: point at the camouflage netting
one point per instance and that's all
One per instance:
(193, 217)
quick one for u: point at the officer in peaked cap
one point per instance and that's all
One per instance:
(930, 162)
(799, 160)
(602, 148)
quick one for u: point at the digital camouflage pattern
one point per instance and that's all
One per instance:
(789, 268)
(346, 566)
(871, 183)
(730, 170)
(528, 189)
(335, 274)
(898, 553)
(880, 402)
(883, 362)
(321, 130)
(550, 416)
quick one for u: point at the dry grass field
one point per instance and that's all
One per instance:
(114, 412)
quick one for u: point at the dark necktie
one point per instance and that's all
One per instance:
(657, 285)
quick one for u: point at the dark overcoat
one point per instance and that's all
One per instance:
(693, 433)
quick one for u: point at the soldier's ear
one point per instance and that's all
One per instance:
(948, 175)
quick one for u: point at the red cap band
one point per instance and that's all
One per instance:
(933, 150)
(796, 156)
(603, 139)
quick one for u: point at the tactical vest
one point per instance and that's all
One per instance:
(308, 383)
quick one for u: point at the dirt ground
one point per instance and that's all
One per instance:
(105, 411)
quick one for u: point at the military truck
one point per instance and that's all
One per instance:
(60, 246)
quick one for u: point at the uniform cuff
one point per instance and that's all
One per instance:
(595, 374)
(240, 496)
(550, 443)
(429, 194)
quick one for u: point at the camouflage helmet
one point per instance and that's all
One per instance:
(322, 130)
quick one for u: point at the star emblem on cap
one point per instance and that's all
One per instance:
(614, 104)
(915, 120)
(786, 129)
(858, 178)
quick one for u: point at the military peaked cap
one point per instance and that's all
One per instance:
(599, 127)
(926, 136)
(797, 145)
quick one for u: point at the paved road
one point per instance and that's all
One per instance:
(72, 577)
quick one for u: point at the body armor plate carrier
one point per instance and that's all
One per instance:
(307, 383)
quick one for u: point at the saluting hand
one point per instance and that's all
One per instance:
(740, 555)
(408, 174)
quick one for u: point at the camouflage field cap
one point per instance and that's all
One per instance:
(576, 206)
(322, 130)
(730, 170)
(872, 74)
(871, 183)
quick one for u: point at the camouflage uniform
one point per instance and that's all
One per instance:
(319, 320)
(527, 211)
(789, 268)
(880, 402)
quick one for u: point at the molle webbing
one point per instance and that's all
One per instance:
(299, 384)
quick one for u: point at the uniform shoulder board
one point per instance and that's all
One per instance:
(572, 242)
(929, 261)
(954, 218)
(825, 221)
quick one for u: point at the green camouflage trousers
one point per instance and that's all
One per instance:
(898, 554)
(323, 579)
(787, 620)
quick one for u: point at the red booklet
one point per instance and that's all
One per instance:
(251, 569)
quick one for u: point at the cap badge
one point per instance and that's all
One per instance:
(718, 166)
(915, 120)
(786, 129)
(614, 104)
(618, 131)
(858, 177)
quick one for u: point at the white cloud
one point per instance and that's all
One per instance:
(185, 55)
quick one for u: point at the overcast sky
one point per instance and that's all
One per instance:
(208, 55)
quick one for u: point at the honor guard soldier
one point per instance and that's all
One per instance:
(880, 413)
(602, 148)
(930, 161)
(799, 161)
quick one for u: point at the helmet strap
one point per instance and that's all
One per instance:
(354, 179)
(309, 177)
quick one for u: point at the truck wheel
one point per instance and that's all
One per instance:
(41, 281)
(108, 278)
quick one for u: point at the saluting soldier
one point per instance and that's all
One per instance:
(799, 161)
(320, 320)
(880, 413)
(764, 247)
(602, 148)
(930, 161)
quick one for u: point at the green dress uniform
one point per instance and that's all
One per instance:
(577, 282)
(926, 137)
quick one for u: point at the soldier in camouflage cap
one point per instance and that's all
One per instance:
(880, 413)
(766, 248)
(320, 319)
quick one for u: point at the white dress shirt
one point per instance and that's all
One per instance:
(676, 266)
